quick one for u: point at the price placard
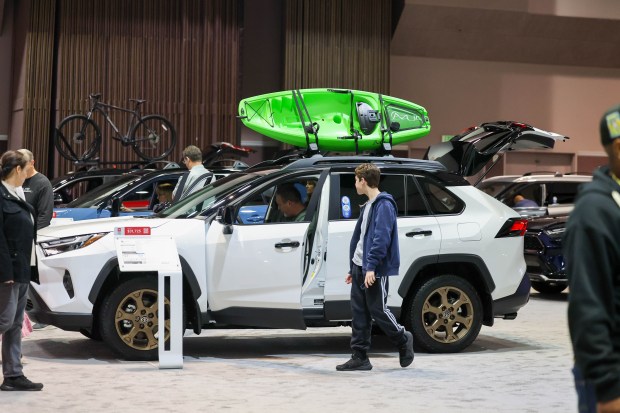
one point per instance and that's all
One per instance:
(138, 250)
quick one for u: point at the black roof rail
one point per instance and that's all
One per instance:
(555, 173)
(319, 160)
(578, 173)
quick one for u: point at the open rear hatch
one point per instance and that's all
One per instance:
(467, 153)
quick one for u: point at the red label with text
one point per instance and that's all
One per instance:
(137, 231)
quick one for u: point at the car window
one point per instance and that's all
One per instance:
(561, 192)
(284, 202)
(351, 202)
(102, 192)
(143, 198)
(494, 188)
(212, 196)
(415, 201)
(77, 188)
(530, 190)
(440, 199)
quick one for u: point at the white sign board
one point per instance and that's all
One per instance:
(137, 250)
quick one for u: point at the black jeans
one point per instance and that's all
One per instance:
(586, 398)
(368, 304)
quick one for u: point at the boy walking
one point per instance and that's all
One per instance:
(374, 257)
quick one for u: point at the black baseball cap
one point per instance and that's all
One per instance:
(610, 125)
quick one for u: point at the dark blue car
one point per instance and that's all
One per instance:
(543, 254)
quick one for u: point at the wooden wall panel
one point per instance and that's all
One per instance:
(181, 56)
(38, 81)
(338, 43)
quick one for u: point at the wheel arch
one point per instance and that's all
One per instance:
(110, 276)
(467, 266)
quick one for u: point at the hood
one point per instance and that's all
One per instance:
(466, 154)
(80, 214)
(92, 226)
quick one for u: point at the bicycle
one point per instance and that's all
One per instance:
(152, 137)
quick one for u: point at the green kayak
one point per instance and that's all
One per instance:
(335, 119)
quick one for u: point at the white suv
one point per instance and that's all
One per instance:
(461, 253)
(553, 192)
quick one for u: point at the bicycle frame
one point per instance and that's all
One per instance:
(104, 108)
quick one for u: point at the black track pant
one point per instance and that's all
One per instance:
(368, 304)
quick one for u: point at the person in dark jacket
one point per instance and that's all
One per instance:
(17, 256)
(592, 253)
(39, 192)
(374, 257)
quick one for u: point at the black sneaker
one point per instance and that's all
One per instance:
(356, 363)
(19, 383)
(406, 351)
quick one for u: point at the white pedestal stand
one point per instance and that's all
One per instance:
(138, 250)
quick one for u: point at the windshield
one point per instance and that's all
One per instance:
(94, 198)
(211, 195)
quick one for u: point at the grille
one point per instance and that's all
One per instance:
(29, 305)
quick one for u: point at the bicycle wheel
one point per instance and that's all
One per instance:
(77, 138)
(153, 137)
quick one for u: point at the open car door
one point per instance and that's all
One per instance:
(466, 154)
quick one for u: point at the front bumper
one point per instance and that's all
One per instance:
(508, 306)
(39, 312)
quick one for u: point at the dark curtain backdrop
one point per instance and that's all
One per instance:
(181, 56)
(338, 43)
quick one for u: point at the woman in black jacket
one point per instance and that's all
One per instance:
(17, 267)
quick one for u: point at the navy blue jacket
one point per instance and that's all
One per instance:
(381, 253)
(17, 233)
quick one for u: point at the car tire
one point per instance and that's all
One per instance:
(437, 324)
(129, 319)
(93, 335)
(547, 288)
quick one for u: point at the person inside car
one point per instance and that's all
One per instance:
(290, 204)
(164, 196)
(522, 202)
(310, 185)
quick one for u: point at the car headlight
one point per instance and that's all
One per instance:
(67, 244)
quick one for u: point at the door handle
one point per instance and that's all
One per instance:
(293, 244)
(414, 233)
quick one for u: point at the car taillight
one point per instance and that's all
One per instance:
(514, 227)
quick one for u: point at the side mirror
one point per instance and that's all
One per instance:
(116, 207)
(225, 216)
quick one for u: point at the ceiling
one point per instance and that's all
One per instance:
(506, 36)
